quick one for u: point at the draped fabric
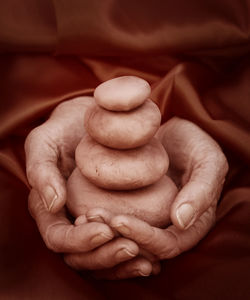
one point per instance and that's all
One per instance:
(195, 55)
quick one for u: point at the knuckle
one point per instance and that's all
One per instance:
(169, 253)
(29, 138)
(32, 170)
(207, 192)
(171, 249)
(149, 237)
(146, 241)
(221, 163)
(53, 239)
(34, 134)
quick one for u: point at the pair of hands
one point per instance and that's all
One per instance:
(121, 246)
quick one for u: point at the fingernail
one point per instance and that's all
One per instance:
(185, 214)
(100, 239)
(49, 197)
(123, 229)
(80, 220)
(95, 219)
(124, 253)
(140, 272)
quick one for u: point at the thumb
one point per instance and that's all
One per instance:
(42, 171)
(201, 191)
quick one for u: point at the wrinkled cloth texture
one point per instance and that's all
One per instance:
(195, 55)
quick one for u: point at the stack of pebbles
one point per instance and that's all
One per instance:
(121, 166)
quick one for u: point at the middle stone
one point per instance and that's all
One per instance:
(121, 169)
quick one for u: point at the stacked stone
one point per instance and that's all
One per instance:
(121, 166)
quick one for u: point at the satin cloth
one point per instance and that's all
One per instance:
(195, 55)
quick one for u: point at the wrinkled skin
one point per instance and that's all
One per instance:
(198, 167)
(50, 160)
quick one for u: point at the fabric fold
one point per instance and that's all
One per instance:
(195, 55)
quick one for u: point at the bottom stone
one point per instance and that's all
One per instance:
(151, 203)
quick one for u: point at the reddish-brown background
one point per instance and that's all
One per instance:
(195, 54)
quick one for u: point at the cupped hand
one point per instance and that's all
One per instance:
(198, 167)
(50, 152)
(88, 246)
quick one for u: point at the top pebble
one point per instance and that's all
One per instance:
(122, 93)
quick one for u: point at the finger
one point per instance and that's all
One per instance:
(137, 267)
(148, 255)
(80, 220)
(99, 215)
(42, 170)
(193, 151)
(164, 243)
(202, 189)
(104, 216)
(62, 236)
(106, 256)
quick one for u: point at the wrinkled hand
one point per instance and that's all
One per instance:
(198, 167)
(50, 152)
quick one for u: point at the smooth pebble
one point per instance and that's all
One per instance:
(151, 203)
(121, 169)
(122, 93)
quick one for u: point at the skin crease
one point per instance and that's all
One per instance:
(198, 167)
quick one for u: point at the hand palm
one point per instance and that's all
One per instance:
(50, 160)
(198, 167)
(196, 164)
